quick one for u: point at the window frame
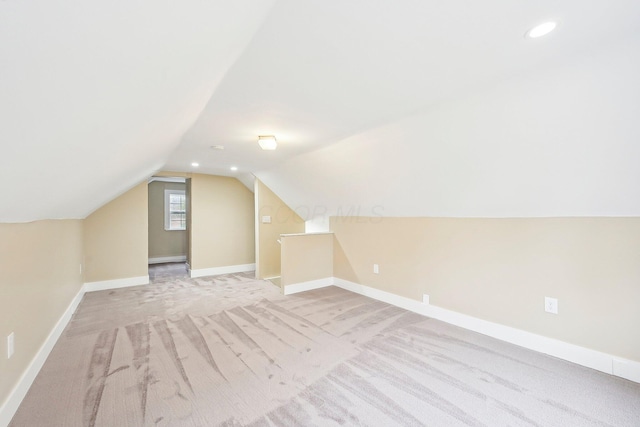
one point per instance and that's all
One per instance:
(168, 211)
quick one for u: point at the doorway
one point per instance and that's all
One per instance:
(168, 227)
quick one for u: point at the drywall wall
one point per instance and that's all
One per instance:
(163, 243)
(40, 265)
(222, 221)
(283, 221)
(116, 238)
(306, 257)
(501, 269)
(559, 141)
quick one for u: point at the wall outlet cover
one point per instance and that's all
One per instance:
(551, 305)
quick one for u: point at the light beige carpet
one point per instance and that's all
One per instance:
(230, 350)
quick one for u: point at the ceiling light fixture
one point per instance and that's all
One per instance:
(234, 168)
(217, 147)
(267, 142)
(195, 164)
(541, 30)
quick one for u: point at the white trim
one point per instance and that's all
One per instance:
(167, 179)
(593, 359)
(214, 271)
(625, 368)
(10, 406)
(163, 259)
(307, 286)
(116, 283)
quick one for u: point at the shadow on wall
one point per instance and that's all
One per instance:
(342, 268)
(273, 218)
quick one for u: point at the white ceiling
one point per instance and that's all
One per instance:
(320, 71)
(96, 97)
(562, 141)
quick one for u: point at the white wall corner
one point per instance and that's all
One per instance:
(583, 356)
(11, 404)
(116, 283)
(214, 271)
(307, 286)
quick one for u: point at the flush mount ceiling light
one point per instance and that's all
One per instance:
(267, 142)
(195, 164)
(217, 147)
(234, 168)
(541, 30)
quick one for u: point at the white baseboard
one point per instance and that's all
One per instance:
(116, 283)
(625, 368)
(163, 259)
(10, 406)
(307, 286)
(593, 359)
(201, 272)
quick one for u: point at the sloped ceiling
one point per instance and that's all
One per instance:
(336, 81)
(320, 71)
(563, 141)
(94, 98)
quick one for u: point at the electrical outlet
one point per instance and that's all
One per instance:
(10, 345)
(551, 305)
(425, 298)
(376, 269)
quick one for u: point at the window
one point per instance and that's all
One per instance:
(175, 210)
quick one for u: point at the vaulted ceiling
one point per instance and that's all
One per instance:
(368, 100)
(94, 96)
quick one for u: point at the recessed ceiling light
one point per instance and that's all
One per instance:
(541, 30)
(234, 168)
(217, 147)
(267, 142)
(195, 164)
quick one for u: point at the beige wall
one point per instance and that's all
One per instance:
(40, 261)
(501, 270)
(306, 257)
(222, 225)
(163, 243)
(283, 221)
(40, 276)
(116, 238)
